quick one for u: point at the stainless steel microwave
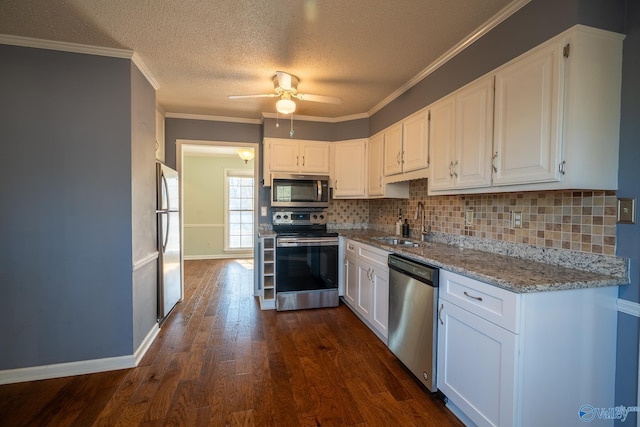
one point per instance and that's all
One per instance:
(300, 191)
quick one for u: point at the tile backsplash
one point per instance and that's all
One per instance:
(582, 221)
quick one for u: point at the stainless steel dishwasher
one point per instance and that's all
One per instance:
(413, 299)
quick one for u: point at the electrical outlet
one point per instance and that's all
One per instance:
(516, 219)
(263, 211)
(468, 217)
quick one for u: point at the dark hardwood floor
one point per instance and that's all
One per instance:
(219, 361)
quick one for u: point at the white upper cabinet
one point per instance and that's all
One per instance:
(377, 185)
(528, 113)
(557, 114)
(349, 168)
(460, 137)
(556, 121)
(393, 150)
(442, 141)
(159, 135)
(406, 147)
(415, 142)
(473, 134)
(375, 156)
(295, 156)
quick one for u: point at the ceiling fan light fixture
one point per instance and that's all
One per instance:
(285, 106)
(246, 154)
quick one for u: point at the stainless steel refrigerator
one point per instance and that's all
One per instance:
(169, 259)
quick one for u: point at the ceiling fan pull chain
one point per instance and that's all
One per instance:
(277, 124)
(291, 131)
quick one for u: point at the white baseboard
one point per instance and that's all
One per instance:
(146, 343)
(224, 256)
(58, 370)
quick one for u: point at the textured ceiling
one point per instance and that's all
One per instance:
(200, 51)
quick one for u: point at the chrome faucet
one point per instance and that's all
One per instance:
(423, 231)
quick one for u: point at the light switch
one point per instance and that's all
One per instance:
(263, 211)
(626, 211)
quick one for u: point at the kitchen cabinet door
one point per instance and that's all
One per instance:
(375, 186)
(314, 157)
(473, 135)
(415, 142)
(477, 366)
(380, 303)
(365, 290)
(349, 178)
(528, 112)
(442, 142)
(284, 156)
(351, 281)
(393, 150)
(159, 135)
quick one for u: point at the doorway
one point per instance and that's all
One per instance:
(219, 199)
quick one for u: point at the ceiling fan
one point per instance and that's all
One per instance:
(285, 86)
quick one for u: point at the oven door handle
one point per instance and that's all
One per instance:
(303, 241)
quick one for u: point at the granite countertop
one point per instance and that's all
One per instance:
(511, 273)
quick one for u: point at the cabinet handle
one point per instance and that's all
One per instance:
(455, 168)
(398, 157)
(439, 314)
(335, 184)
(561, 167)
(302, 160)
(297, 162)
(493, 162)
(450, 169)
(471, 296)
(402, 158)
(380, 180)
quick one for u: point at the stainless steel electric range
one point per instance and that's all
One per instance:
(306, 260)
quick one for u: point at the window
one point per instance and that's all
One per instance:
(239, 200)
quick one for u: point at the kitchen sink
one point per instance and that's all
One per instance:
(397, 241)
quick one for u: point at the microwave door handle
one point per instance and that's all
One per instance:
(319, 182)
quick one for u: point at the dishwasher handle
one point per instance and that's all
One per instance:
(421, 272)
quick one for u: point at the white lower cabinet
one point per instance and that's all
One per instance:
(476, 366)
(531, 359)
(350, 274)
(367, 285)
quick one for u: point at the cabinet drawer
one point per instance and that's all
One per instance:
(351, 248)
(494, 304)
(377, 257)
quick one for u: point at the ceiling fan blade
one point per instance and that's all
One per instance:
(318, 98)
(262, 95)
(284, 80)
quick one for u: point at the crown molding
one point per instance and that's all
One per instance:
(317, 119)
(82, 49)
(501, 16)
(169, 115)
(146, 72)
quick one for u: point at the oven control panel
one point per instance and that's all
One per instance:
(299, 218)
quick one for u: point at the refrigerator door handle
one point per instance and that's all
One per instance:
(165, 231)
(165, 192)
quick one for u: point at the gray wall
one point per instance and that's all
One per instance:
(65, 258)
(175, 129)
(628, 236)
(143, 188)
